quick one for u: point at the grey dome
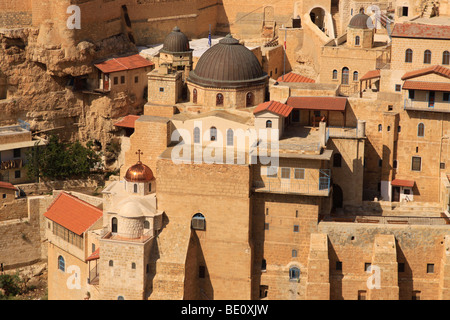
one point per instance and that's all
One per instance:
(176, 41)
(359, 21)
(228, 64)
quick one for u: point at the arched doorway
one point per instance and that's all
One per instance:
(338, 197)
(249, 99)
(317, 16)
(114, 225)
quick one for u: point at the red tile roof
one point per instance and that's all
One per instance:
(421, 31)
(403, 183)
(127, 122)
(436, 69)
(425, 85)
(274, 107)
(371, 75)
(94, 256)
(73, 213)
(318, 103)
(7, 185)
(124, 63)
(294, 77)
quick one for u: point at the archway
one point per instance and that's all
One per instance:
(317, 16)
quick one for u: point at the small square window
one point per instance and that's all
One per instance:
(285, 173)
(390, 107)
(362, 295)
(446, 96)
(266, 226)
(17, 174)
(442, 165)
(4, 196)
(136, 79)
(401, 267)
(263, 291)
(161, 89)
(367, 266)
(299, 173)
(17, 153)
(296, 228)
(339, 265)
(430, 268)
(398, 87)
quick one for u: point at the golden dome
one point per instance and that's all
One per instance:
(139, 173)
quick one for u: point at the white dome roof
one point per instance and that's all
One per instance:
(131, 209)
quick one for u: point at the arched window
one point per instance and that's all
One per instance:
(230, 137)
(344, 75)
(114, 225)
(61, 264)
(337, 160)
(355, 76)
(196, 135)
(135, 188)
(249, 99)
(357, 41)
(420, 130)
(268, 124)
(120, 298)
(213, 134)
(294, 273)
(146, 224)
(219, 100)
(194, 96)
(198, 222)
(446, 57)
(335, 75)
(427, 56)
(408, 55)
(294, 253)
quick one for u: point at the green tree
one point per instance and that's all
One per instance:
(60, 161)
(10, 284)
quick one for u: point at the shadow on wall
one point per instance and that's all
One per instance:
(336, 274)
(197, 283)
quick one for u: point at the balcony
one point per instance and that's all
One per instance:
(314, 187)
(419, 105)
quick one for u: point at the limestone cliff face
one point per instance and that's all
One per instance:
(36, 66)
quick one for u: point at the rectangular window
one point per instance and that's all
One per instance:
(361, 295)
(4, 196)
(296, 228)
(415, 295)
(367, 266)
(446, 96)
(442, 165)
(136, 79)
(398, 87)
(263, 291)
(266, 226)
(411, 94)
(416, 163)
(285, 173)
(17, 153)
(161, 89)
(430, 268)
(339, 265)
(116, 80)
(299, 173)
(17, 174)
(122, 79)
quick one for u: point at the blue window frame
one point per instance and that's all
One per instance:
(294, 273)
(61, 264)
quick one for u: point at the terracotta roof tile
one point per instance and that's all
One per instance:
(274, 107)
(73, 213)
(127, 122)
(371, 75)
(124, 63)
(7, 185)
(425, 85)
(436, 69)
(94, 256)
(294, 77)
(403, 183)
(318, 103)
(421, 31)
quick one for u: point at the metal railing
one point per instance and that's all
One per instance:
(11, 164)
(322, 186)
(410, 220)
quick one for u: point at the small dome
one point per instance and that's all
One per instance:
(359, 21)
(228, 64)
(176, 41)
(139, 173)
(131, 210)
